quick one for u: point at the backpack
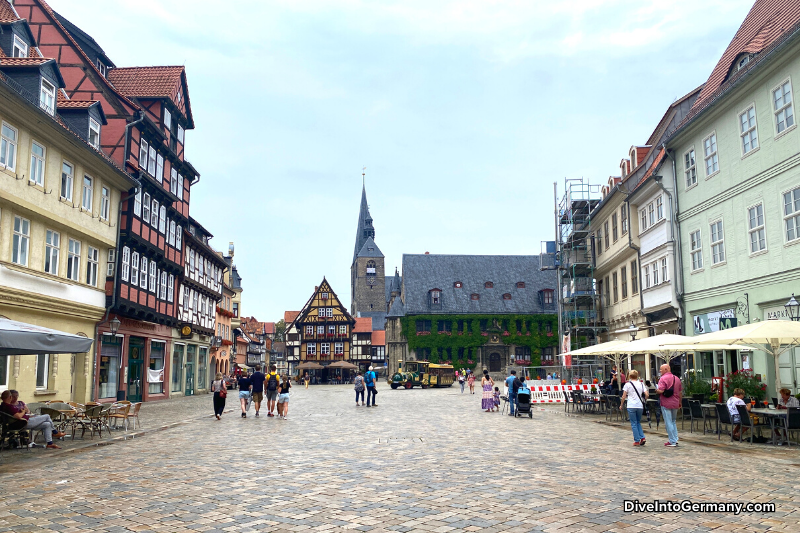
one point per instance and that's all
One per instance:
(272, 382)
(368, 378)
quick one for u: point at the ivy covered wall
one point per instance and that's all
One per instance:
(532, 331)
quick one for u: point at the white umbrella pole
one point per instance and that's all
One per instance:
(776, 355)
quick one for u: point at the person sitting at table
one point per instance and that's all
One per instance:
(733, 401)
(786, 400)
(16, 402)
(37, 422)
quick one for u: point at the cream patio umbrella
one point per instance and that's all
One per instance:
(602, 349)
(772, 336)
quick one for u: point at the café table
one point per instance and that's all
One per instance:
(773, 415)
(710, 411)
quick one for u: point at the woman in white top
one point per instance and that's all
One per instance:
(636, 393)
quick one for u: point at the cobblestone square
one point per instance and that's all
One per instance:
(423, 460)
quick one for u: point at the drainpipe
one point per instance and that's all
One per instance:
(679, 246)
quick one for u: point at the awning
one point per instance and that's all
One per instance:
(19, 338)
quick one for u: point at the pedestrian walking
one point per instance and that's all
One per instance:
(305, 379)
(220, 393)
(358, 385)
(670, 389)
(271, 383)
(245, 387)
(462, 381)
(513, 383)
(369, 379)
(496, 399)
(471, 382)
(487, 400)
(257, 380)
(283, 397)
(636, 394)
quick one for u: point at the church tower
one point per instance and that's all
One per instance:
(367, 275)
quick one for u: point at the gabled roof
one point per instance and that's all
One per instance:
(764, 25)
(398, 309)
(7, 12)
(88, 39)
(370, 249)
(379, 338)
(152, 82)
(424, 272)
(364, 229)
(363, 325)
(269, 328)
(289, 316)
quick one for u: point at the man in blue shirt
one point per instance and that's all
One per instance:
(369, 380)
(512, 392)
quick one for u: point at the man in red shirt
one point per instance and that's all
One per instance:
(670, 390)
(34, 422)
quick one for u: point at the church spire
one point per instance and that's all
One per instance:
(365, 229)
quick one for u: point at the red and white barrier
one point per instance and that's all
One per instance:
(555, 393)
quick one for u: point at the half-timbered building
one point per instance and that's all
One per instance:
(361, 350)
(325, 328)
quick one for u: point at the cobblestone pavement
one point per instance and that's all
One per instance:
(424, 460)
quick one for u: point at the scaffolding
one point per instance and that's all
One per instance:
(571, 255)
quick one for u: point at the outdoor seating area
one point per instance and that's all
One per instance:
(70, 418)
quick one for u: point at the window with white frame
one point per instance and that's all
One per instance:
(21, 241)
(654, 266)
(634, 278)
(606, 235)
(338, 347)
(178, 237)
(170, 287)
(111, 259)
(664, 271)
(154, 214)
(756, 230)
(143, 274)
(135, 268)
(643, 222)
(94, 133)
(311, 348)
(153, 276)
(19, 48)
(615, 286)
(690, 168)
(791, 214)
(92, 262)
(151, 161)
(320, 330)
(710, 154)
(659, 208)
(67, 179)
(143, 151)
(8, 146)
(696, 250)
(163, 294)
(162, 220)
(646, 276)
(171, 238)
(52, 247)
(782, 106)
(74, 260)
(47, 97)
(146, 208)
(173, 181)
(623, 276)
(86, 197)
(614, 228)
(37, 163)
(623, 212)
(167, 118)
(717, 243)
(748, 130)
(180, 186)
(42, 370)
(126, 263)
(599, 242)
(137, 203)
(160, 168)
(342, 330)
(331, 330)
(105, 202)
(309, 330)
(651, 216)
(325, 348)
(180, 134)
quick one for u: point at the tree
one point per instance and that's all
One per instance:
(280, 330)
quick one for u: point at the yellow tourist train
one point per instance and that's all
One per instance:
(422, 374)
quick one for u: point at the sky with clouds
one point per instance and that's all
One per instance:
(464, 112)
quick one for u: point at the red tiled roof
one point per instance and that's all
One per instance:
(63, 103)
(289, 316)
(23, 61)
(147, 81)
(363, 325)
(269, 328)
(641, 153)
(7, 13)
(378, 337)
(656, 163)
(765, 24)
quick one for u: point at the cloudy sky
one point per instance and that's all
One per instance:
(464, 112)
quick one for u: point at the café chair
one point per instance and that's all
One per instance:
(747, 422)
(12, 429)
(135, 415)
(791, 423)
(696, 413)
(686, 411)
(723, 418)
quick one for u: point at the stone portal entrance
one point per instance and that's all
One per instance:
(494, 362)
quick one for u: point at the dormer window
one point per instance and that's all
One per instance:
(507, 296)
(20, 48)
(47, 97)
(94, 133)
(178, 98)
(520, 284)
(488, 285)
(102, 68)
(435, 298)
(474, 296)
(458, 285)
(743, 61)
(546, 298)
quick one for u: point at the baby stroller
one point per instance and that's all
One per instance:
(524, 403)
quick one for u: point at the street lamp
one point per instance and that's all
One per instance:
(793, 308)
(115, 324)
(633, 330)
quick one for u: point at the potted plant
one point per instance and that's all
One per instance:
(745, 380)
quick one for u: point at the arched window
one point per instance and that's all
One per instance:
(435, 298)
(370, 268)
(488, 285)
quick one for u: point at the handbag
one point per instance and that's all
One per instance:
(223, 393)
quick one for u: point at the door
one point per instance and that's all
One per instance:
(790, 369)
(135, 365)
(494, 362)
(191, 351)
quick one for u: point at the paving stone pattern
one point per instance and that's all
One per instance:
(424, 460)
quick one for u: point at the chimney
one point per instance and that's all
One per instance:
(230, 249)
(427, 253)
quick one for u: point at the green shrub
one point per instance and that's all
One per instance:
(745, 380)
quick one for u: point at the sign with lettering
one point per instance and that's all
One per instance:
(776, 313)
(715, 321)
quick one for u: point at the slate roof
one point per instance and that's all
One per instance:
(395, 285)
(378, 319)
(364, 224)
(421, 273)
(397, 309)
(370, 249)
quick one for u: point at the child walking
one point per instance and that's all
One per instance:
(496, 399)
